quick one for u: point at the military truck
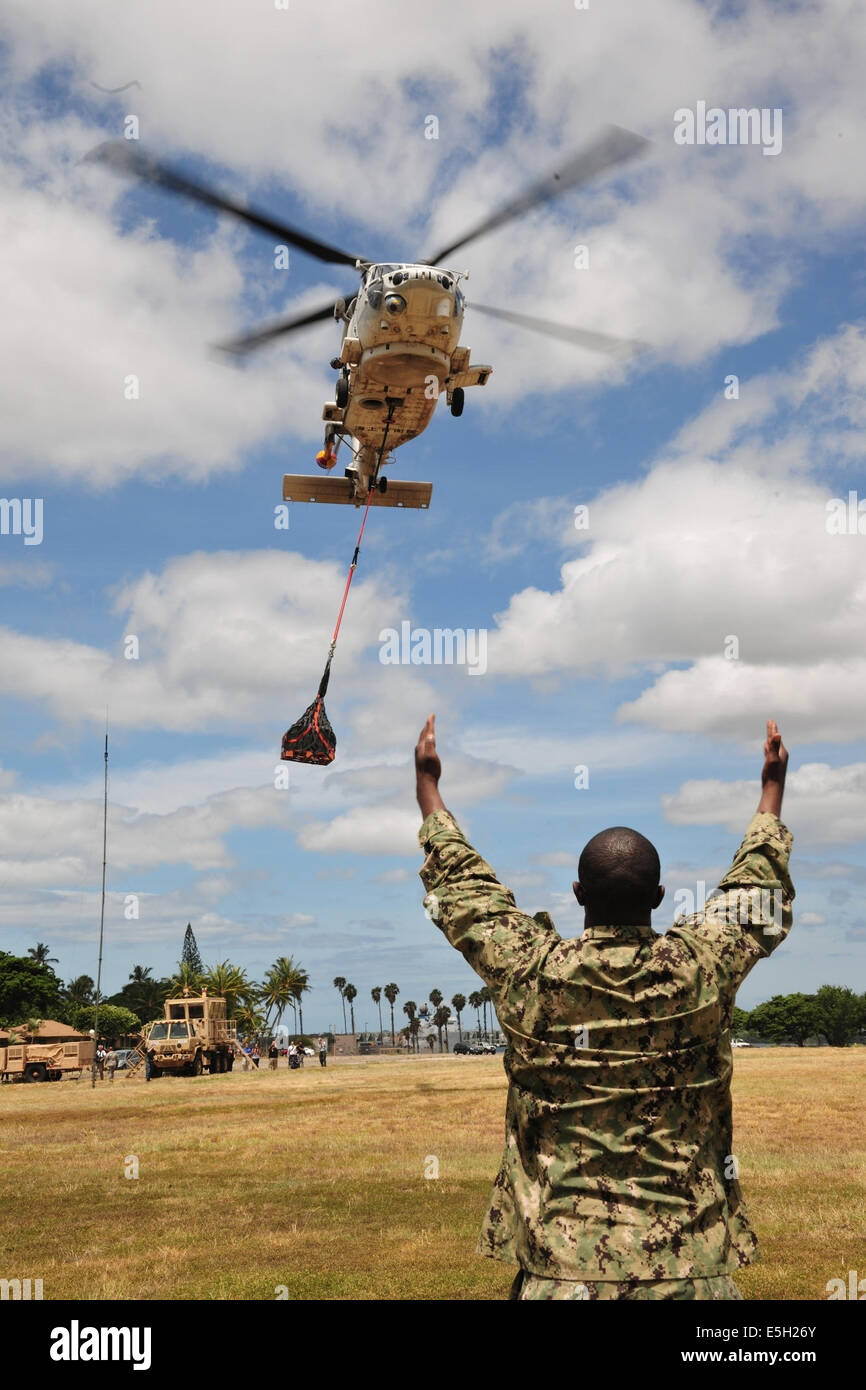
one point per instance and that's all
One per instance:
(40, 1056)
(194, 1034)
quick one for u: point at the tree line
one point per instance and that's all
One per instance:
(417, 1014)
(834, 1015)
(30, 991)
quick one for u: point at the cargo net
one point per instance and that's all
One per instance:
(311, 739)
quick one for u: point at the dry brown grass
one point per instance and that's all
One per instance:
(315, 1179)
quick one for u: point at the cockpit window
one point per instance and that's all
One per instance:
(374, 294)
(158, 1032)
(179, 1030)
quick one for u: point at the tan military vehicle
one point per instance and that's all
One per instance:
(194, 1034)
(46, 1054)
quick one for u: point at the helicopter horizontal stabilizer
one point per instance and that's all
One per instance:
(303, 487)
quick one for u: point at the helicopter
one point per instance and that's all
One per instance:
(401, 330)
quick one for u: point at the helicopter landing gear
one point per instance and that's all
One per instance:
(456, 401)
(341, 394)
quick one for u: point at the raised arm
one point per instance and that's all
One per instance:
(750, 913)
(773, 771)
(428, 770)
(464, 897)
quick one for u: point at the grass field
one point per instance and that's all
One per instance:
(315, 1180)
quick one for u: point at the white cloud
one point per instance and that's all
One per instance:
(664, 240)
(26, 574)
(699, 565)
(223, 638)
(823, 804)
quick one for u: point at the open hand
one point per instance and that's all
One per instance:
(428, 769)
(427, 762)
(773, 771)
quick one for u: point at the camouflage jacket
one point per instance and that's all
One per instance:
(618, 1159)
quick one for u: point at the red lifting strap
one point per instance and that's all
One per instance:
(311, 739)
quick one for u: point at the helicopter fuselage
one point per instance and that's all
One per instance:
(401, 350)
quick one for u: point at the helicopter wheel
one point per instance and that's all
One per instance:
(341, 394)
(456, 401)
(382, 485)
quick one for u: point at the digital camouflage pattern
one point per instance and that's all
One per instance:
(618, 1158)
(530, 1288)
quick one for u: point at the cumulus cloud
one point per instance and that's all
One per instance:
(664, 237)
(823, 804)
(698, 566)
(222, 638)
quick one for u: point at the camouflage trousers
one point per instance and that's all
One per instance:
(535, 1289)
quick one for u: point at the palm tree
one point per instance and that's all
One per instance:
(488, 999)
(231, 982)
(351, 994)
(275, 995)
(440, 1021)
(436, 997)
(476, 999)
(459, 1002)
(415, 1029)
(376, 996)
(409, 1009)
(300, 987)
(339, 986)
(390, 992)
(80, 990)
(140, 974)
(250, 1021)
(39, 953)
(186, 978)
(283, 987)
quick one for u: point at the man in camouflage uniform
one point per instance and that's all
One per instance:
(618, 1179)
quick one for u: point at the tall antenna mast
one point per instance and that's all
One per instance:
(102, 905)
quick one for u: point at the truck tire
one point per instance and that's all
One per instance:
(35, 1072)
(230, 1061)
(197, 1066)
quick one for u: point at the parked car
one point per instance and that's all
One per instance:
(123, 1056)
(461, 1049)
(739, 1042)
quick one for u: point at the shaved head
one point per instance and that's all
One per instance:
(619, 873)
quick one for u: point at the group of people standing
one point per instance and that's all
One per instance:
(296, 1054)
(105, 1060)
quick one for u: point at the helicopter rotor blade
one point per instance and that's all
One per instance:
(258, 337)
(120, 156)
(613, 146)
(578, 337)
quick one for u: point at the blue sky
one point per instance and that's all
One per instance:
(606, 646)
